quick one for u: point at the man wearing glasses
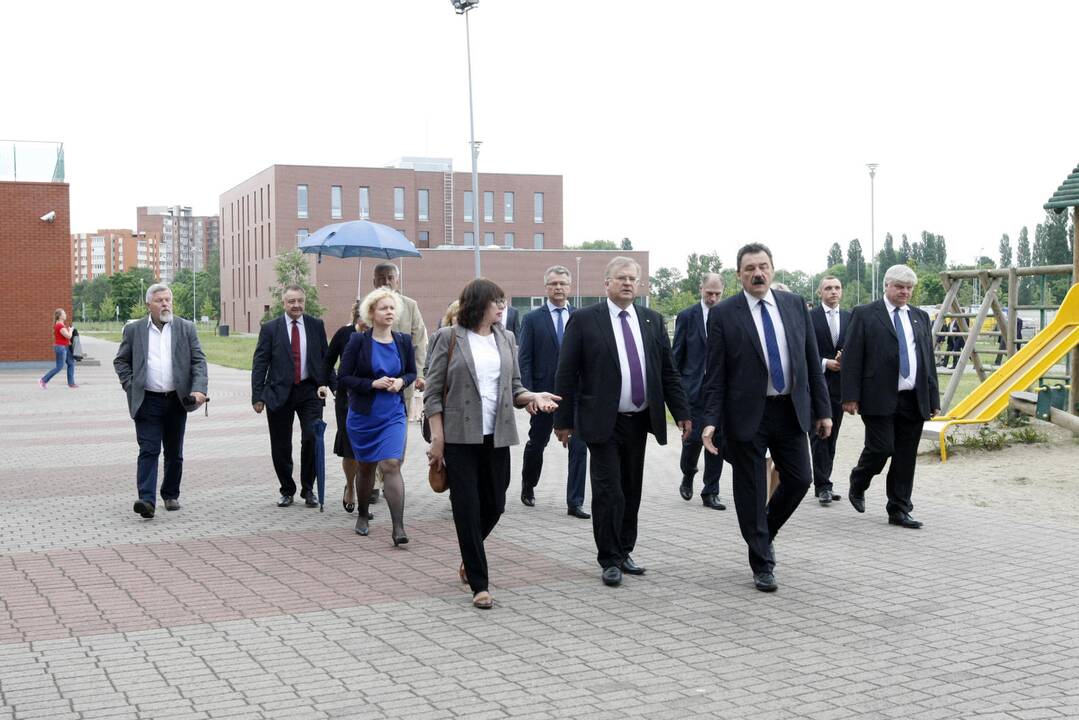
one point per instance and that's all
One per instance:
(540, 340)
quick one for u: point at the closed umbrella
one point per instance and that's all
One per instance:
(320, 463)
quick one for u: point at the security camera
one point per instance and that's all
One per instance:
(49, 217)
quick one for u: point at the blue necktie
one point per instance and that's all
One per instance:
(904, 359)
(775, 364)
(559, 327)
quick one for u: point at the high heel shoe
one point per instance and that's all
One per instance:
(401, 539)
(348, 506)
(361, 525)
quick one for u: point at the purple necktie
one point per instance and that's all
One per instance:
(636, 377)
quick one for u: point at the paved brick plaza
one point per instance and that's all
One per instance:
(234, 608)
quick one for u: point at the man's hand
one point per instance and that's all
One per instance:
(851, 407)
(200, 398)
(419, 384)
(563, 435)
(832, 365)
(324, 392)
(707, 436)
(686, 426)
(823, 428)
(259, 406)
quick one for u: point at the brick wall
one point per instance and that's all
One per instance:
(35, 267)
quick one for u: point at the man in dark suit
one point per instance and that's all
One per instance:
(541, 337)
(764, 391)
(890, 378)
(829, 324)
(614, 375)
(511, 320)
(289, 377)
(162, 369)
(690, 353)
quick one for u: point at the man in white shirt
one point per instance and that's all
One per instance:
(162, 369)
(830, 325)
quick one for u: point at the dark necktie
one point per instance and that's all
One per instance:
(636, 377)
(559, 326)
(775, 363)
(296, 351)
(904, 359)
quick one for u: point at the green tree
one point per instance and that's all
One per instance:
(905, 252)
(1005, 251)
(665, 283)
(835, 255)
(292, 268)
(886, 258)
(929, 290)
(627, 244)
(856, 261)
(1023, 259)
(88, 295)
(697, 266)
(599, 245)
(137, 311)
(106, 310)
(798, 281)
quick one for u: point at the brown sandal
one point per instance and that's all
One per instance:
(483, 600)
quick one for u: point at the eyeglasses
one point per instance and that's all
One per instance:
(558, 283)
(501, 303)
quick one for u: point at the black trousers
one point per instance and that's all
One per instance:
(758, 518)
(895, 436)
(617, 471)
(539, 434)
(305, 404)
(478, 476)
(691, 453)
(824, 451)
(160, 421)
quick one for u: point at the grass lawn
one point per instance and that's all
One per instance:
(234, 351)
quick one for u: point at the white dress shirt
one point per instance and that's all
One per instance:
(625, 401)
(303, 343)
(705, 309)
(828, 318)
(905, 383)
(159, 359)
(781, 338)
(488, 372)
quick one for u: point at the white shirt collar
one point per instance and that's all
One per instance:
(288, 320)
(891, 308)
(614, 309)
(768, 298)
(551, 307)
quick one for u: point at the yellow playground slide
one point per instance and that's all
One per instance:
(1021, 370)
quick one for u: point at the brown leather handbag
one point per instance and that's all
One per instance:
(436, 474)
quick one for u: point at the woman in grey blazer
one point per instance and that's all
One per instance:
(475, 361)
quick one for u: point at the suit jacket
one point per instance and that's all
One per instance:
(272, 369)
(537, 353)
(871, 361)
(827, 349)
(355, 375)
(188, 361)
(410, 322)
(737, 382)
(690, 351)
(513, 321)
(589, 377)
(462, 412)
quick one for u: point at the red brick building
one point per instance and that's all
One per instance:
(520, 227)
(36, 271)
(186, 240)
(111, 251)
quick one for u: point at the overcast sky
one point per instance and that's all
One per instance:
(685, 126)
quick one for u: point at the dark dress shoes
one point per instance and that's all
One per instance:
(904, 520)
(858, 501)
(825, 497)
(631, 568)
(172, 504)
(612, 576)
(145, 509)
(765, 582)
(528, 498)
(284, 501)
(310, 500)
(836, 496)
(686, 489)
(578, 512)
(712, 501)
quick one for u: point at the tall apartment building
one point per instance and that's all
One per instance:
(520, 227)
(186, 239)
(114, 251)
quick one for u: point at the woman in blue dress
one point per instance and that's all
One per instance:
(377, 364)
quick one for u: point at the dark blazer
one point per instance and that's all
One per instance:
(513, 321)
(355, 373)
(690, 351)
(589, 378)
(871, 361)
(825, 346)
(737, 380)
(271, 366)
(188, 361)
(537, 349)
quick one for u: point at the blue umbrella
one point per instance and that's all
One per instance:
(320, 463)
(358, 238)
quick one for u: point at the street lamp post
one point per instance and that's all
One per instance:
(872, 228)
(577, 278)
(462, 7)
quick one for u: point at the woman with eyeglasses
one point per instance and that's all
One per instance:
(475, 362)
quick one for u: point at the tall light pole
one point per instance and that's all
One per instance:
(462, 7)
(577, 282)
(872, 229)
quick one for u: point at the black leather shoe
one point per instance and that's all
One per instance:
(858, 501)
(836, 496)
(528, 498)
(285, 501)
(578, 512)
(145, 509)
(904, 520)
(172, 504)
(612, 576)
(765, 582)
(712, 501)
(825, 497)
(631, 568)
(310, 500)
(686, 489)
